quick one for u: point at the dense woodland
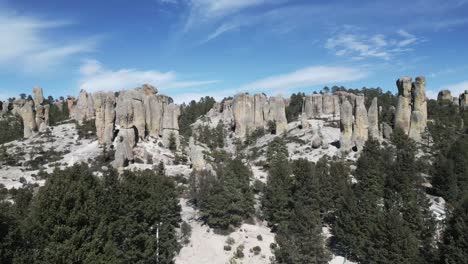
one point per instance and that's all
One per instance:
(377, 210)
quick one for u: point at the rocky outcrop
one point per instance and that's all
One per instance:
(419, 109)
(464, 100)
(196, 155)
(328, 107)
(277, 114)
(361, 123)
(243, 109)
(411, 111)
(373, 117)
(104, 105)
(5, 106)
(403, 109)
(130, 111)
(249, 112)
(84, 109)
(386, 131)
(125, 141)
(25, 109)
(41, 109)
(444, 96)
(313, 106)
(71, 107)
(346, 125)
(170, 125)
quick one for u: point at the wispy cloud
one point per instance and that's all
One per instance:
(360, 46)
(26, 45)
(306, 77)
(202, 11)
(95, 77)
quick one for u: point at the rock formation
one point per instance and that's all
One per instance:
(104, 105)
(170, 124)
(328, 107)
(277, 114)
(25, 109)
(403, 109)
(373, 117)
(196, 155)
(411, 111)
(419, 109)
(313, 106)
(130, 111)
(41, 109)
(71, 107)
(125, 141)
(346, 125)
(84, 109)
(249, 112)
(243, 110)
(464, 100)
(444, 95)
(386, 131)
(5, 106)
(361, 123)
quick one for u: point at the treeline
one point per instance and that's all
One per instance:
(191, 112)
(80, 218)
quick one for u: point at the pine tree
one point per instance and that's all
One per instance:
(454, 247)
(300, 240)
(277, 199)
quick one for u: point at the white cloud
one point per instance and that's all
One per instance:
(94, 77)
(456, 89)
(315, 75)
(25, 44)
(202, 11)
(360, 46)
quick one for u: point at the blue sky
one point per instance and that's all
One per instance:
(192, 48)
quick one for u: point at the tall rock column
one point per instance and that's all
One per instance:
(25, 109)
(170, 124)
(373, 116)
(361, 123)
(42, 109)
(419, 113)
(104, 104)
(328, 107)
(403, 110)
(84, 109)
(346, 126)
(463, 100)
(278, 114)
(261, 110)
(243, 111)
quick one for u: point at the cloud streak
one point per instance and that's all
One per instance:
(95, 77)
(305, 77)
(25, 43)
(378, 46)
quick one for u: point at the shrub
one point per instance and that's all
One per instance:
(239, 252)
(260, 238)
(186, 232)
(230, 241)
(256, 250)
